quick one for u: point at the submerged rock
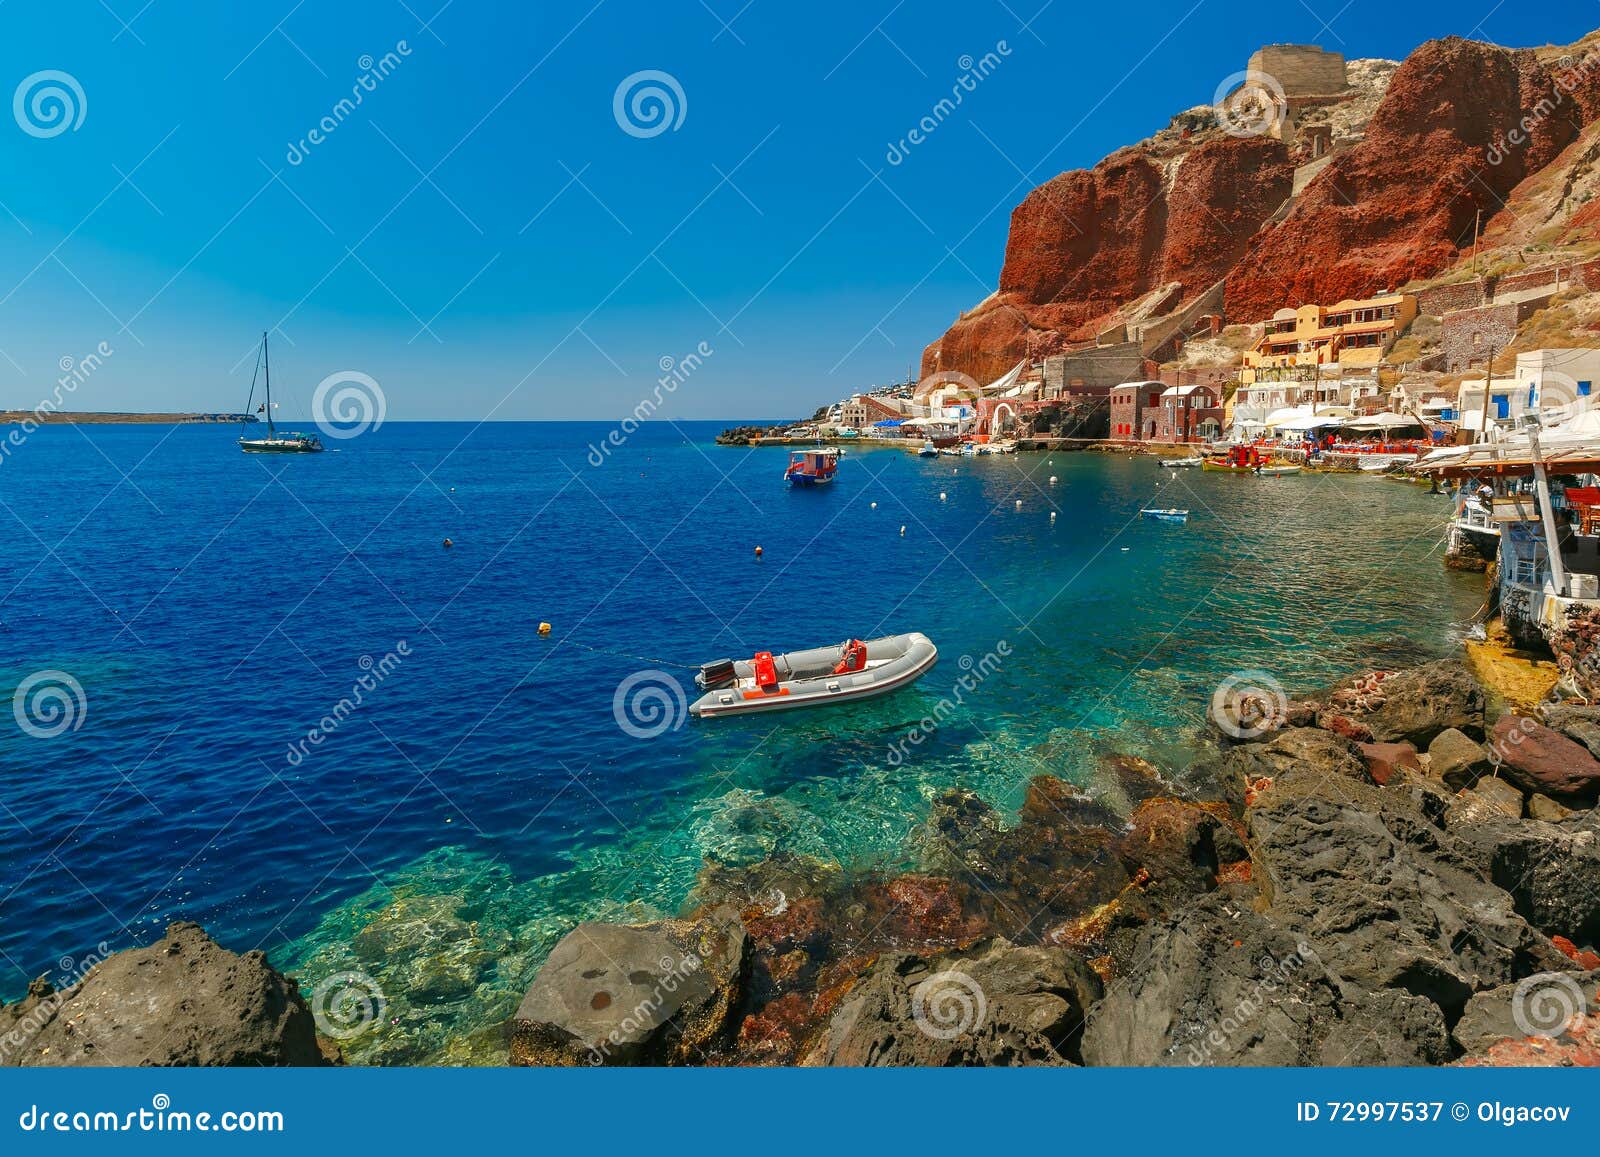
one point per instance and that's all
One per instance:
(994, 1004)
(184, 1000)
(617, 994)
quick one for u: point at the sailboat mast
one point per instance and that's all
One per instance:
(266, 363)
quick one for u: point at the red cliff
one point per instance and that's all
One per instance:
(1403, 203)
(1460, 125)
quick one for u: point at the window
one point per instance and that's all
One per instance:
(1583, 389)
(1502, 406)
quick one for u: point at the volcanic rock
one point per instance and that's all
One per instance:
(1539, 758)
(620, 994)
(1219, 984)
(1543, 1004)
(184, 1000)
(994, 1004)
(1415, 705)
(1391, 901)
(1457, 759)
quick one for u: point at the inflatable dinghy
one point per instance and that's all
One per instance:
(852, 670)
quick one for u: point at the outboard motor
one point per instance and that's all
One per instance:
(718, 673)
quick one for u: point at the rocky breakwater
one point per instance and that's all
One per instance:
(1374, 874)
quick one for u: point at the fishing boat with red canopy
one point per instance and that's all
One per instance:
(854, 669)
(812, 467)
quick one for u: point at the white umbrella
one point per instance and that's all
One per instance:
(1384, 421)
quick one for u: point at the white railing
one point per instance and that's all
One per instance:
(1475, 517)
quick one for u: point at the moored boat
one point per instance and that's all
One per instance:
(1166, 515)
(811, 467)
(929, 450)
(289, 442)
(852, 670)
(1174, 463)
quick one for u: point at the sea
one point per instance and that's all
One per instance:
(401, 714)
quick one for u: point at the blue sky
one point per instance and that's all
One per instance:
(482, 236)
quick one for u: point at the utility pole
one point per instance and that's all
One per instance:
(1541, 488)
(1476, 225)
(1488, 381)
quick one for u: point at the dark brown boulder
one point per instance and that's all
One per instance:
(1539, 758)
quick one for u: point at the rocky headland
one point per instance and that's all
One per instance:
(1376, 873)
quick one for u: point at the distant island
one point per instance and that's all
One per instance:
(97, 418)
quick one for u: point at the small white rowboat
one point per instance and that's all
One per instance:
(1166, 515)
(812, 678)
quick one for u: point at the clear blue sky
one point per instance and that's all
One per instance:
(481, 236)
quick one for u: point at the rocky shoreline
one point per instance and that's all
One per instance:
(1373, 874)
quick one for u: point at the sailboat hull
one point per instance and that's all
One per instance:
(279, 446)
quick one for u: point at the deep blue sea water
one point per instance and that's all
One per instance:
(483, 797)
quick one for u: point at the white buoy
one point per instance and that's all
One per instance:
(874, 506)
(1052, 516)
(1052, 480)
(941, 496)
(1019, 504)
(902, 532)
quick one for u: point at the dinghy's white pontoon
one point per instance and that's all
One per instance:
(822, 675)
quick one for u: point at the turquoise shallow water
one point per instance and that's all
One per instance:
(483, 797)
